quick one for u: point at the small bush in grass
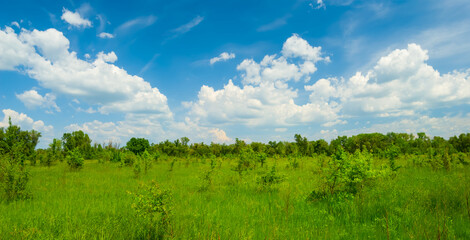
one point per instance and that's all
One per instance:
(137, 167)
(207, 175)
(270, 180)
(146, 161)
(116, 156)
(75, 159)
(246, 161)
(346, 174)
(13, 180)
(392, 154)
(128, 159)
(153, 205)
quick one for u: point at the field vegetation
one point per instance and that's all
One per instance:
(368, 186)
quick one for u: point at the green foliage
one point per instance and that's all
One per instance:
(13, 180)
(392, 154)
(116, 156)
(16, 146)
(146, 161)
(79, 141)
(347, 173)
(128, 159)
(75, 159)
(246, 161)
(137, 145)
(154, 205)
(207, 175)
(261, 158)
(270, 180)
(294, 162)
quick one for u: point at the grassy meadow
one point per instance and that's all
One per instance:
(209, 200)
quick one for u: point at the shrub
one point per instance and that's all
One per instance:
(207, 175)
(116, 156)
(153, 205)
(270, 180)
(13, 180)
(128, 159)
(392, 154)
(75, 159)
(246, 161)
(346, 174)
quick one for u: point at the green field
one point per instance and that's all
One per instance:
(96, 202)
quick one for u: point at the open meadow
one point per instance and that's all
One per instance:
(210, 198)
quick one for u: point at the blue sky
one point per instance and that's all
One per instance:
(218, 70)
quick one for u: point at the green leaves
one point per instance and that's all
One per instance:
(75, 159)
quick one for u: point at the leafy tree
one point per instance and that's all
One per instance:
(302, 144)
(77, 140)
(137, 145)
(15, 147)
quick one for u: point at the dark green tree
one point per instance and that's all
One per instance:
(137, 145)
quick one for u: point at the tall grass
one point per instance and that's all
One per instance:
(93, 203)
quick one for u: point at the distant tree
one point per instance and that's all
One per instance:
(137, 145)
(302, 144)
(77, 140)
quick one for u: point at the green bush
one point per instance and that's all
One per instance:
(346, 174)
(75, 159)
(270, 180)
(128, 159)
(13, 180)
(153, 205)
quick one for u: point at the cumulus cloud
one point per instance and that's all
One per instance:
(108, 58)
(45, 56)
(400, 84)
(222, 57)
(32, 99)
(74, 19)
(106, 35)
(265, 97)
(24, 122)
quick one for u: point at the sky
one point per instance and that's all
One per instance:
(214, 71)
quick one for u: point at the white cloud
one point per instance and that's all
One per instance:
(32, 99)
(108, 58)
(319, 4)
(219, 136)
(446, 126)
(400, 84)
(222, 57)
(188, 26)
(24, 122)
(265, 98)
(74, 19)
(99, 82)
(106, 35)
(150, 127)
(274, 24)
(296, 46)
(134, 24)
(15, 23)
(280, 129)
